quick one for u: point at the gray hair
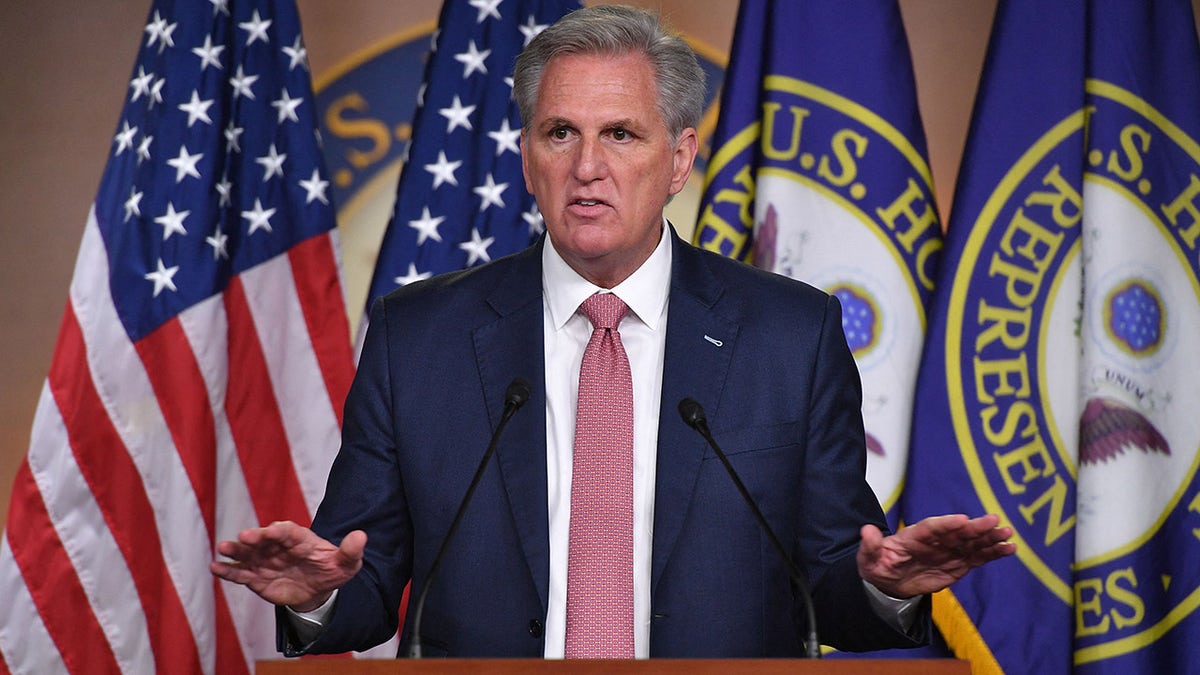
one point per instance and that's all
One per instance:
(616, 30)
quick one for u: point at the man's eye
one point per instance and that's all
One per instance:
(620, 135)
(559, 134)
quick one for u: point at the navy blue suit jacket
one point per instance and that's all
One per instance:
(783, 399)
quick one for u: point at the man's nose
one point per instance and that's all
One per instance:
(591, 162)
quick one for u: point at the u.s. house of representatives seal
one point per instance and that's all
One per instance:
(837, 196)
(1072, 348)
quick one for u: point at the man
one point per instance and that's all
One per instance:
(609, 104)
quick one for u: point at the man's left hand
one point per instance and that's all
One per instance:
(931, 554)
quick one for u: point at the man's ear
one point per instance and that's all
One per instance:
(684, 158)
(524, 166)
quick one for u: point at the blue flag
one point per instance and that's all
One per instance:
(818, 172)
(1058, 386)
(462, 200)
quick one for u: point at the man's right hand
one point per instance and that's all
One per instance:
(287, 564)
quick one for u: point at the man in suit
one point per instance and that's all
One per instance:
(609, 103)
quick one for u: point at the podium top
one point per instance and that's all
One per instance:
(336, 666)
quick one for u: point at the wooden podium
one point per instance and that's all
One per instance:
(639, 667)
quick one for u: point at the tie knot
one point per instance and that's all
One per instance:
(604, 310)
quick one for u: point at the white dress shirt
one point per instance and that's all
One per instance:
(566, 332)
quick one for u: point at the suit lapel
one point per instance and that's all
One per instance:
(700, 343)
(510, 347)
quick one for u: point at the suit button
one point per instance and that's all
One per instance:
(535, 628)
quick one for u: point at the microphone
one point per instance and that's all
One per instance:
(515, 396)
(693, 416)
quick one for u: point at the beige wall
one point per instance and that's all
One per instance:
(63, 80)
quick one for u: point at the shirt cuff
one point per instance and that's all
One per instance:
(308, 626)
(898, 613)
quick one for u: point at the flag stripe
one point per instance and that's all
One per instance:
(118, 490)
(25, 645)
(175, 378)
(230, 657)
(294, 373)
(255, 421)
(318, 290)
(50, 578)
(4, 664)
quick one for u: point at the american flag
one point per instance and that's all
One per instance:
(203, 357)
(462, 200)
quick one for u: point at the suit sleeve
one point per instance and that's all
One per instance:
(838, 501)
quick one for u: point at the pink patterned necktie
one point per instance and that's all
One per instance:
(600, 547)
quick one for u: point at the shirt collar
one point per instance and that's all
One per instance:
(645, 291)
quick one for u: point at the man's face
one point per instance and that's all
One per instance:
(598, 158)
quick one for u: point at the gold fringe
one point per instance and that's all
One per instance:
(962, 636)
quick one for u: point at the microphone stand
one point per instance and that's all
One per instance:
(515, 396)
(693, 415)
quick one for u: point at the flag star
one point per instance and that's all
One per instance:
(224, 188)
(509, 82)
(486, 8)
(209, 54)
(472, 60)
(155, 28)
(133, 204)
(272, 163)
(232, 134)
(125, 138)
(155, 95)
(160, 31)
(457, 115)
(286, 105)
(315, 188)
(259, 217)
(196, 109)
(477, 248)
(241, 83)
(172, 221)
(218, 241)
(221, 6)
(185, 164)
(533, 218)
(491, 193)
(165, 37)
(412, 276)
(257, 28)
(506, 139)
(531, 29)
(298, 54)
(141, 84)
(443, 170)
(427, 226)
(162, 277)
(143, 151)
